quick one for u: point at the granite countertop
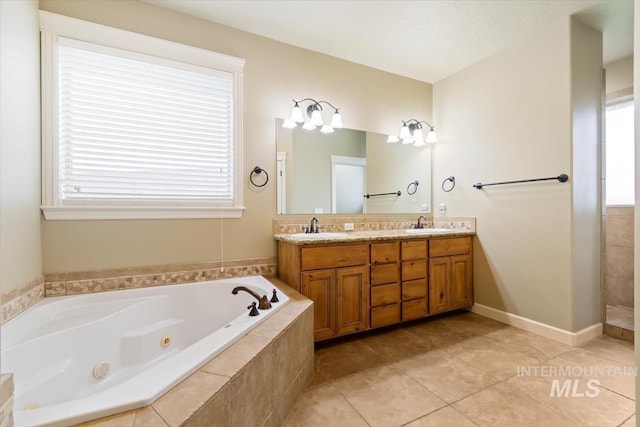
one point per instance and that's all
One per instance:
(368, 236)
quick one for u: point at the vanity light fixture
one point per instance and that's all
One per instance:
(314, 112)
(411, 133)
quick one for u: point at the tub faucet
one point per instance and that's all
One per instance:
(263, 302)
(419, 224)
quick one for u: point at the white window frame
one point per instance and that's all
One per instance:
(52, 26)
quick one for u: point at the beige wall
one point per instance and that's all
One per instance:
(586, 209)
(619, 75)
(636, 241)
(275, 73)
(20, 254)
(510, 117)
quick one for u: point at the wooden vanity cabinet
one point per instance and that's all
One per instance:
(385, 284)
(336, 279)
(450, 274)
(414, 279)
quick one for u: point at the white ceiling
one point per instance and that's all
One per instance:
(424, 40)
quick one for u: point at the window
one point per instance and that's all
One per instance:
(620, 157)
(138, 128)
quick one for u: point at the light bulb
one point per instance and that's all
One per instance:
(309, 126)
(417, 136)
(404, 132)
(316, 117)
(326, 129)
(289, 124)
(392, 139)
(296, 114)
(407, 141)
(336, 121)
(419, 143)
(431, 136)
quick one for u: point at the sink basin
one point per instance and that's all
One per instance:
(327, 235)
(428, 230)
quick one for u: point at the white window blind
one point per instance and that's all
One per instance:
(135, 129)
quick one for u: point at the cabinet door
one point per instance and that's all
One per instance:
(461, 281)
(353, 299)
(439, 284)
(319, 286)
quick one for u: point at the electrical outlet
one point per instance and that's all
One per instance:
(348, 226)
(442, 208)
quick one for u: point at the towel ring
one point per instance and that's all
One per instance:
(258, 170)
(415, 188)
(452, 180)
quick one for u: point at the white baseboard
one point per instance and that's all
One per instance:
(571, 338)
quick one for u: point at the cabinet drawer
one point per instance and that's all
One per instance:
(382, 253)
(414, 289)
(385, 294)
(446, 247)
(414, 309)
(414, 250)
(315, 258)
(414, 270)
(383, 274)
(383, 316)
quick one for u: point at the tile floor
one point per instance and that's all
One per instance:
(462, 370)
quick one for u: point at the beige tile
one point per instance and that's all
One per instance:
(337, 361)
(321, 407)
(619, 262)
(492, 357)
(448, 377)
(215, 413)
(619, 291)
(234, 358)
(398, 344)
(585, 403)
(611, 348)
(387, 397)
(250, 389)
(588, 364)
(147, 417)
(620, 230)
(504, 404)
(181, 402)
(631, 422)
(470, 324)
(124, 419)
(446, 416)
(284, 403)
(528, 343)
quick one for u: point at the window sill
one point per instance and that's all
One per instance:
(138, 212)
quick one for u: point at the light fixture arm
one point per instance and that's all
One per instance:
(418, 123)
(317, 103)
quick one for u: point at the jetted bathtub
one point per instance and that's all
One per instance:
(77, 358)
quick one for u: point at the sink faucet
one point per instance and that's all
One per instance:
(419, 224)
(313, 227)
(263, 302)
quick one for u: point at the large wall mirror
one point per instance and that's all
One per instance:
(331, 173)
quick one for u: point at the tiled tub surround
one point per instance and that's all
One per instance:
(287, 224)
(6, 400)
(254, 382)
